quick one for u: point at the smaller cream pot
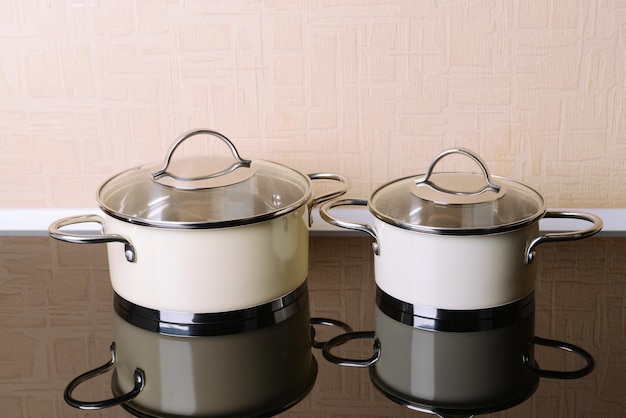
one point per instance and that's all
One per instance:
(457, 240)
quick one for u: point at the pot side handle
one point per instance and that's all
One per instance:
(54, 230)
(328, 196)
(534, 368)
(139, 379)
(344, 338)
(596, 226)
(325, 214)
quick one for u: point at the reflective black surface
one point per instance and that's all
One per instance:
(57, 311)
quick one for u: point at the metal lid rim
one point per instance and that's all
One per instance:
(135, 220)
(496, 229)
(204, 224)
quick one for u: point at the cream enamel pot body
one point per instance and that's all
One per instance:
(182, 240)
(456, 240)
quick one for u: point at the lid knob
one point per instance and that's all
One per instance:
(462, 188)
(196, 182)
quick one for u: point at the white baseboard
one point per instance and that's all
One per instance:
(35, 221)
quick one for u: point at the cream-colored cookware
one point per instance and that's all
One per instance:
(457, 240)
(204, 234)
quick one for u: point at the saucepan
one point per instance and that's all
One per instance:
(201, 234)
(457, 240)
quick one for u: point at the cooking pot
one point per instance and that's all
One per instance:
(190, 235)
(253, 362)
(457, 240)
(456, 365)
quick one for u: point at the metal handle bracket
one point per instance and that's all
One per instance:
(325, 214)
(596, 226)
(328, 196)
(54, 230)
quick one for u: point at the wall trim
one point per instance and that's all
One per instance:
(35, 221)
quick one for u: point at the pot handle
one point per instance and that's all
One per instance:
(325, 214)
(325, 197)
(328, 322)
(596, 226)
(239, 162)
(139, 378)
(344, 338)
(491, 186)
(54, 230)
(533, 367)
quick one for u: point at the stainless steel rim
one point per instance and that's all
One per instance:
(189, 324)
(135, 220)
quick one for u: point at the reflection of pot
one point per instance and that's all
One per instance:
(479, 362)
(253, 362)
(197, 239)
(457, 240)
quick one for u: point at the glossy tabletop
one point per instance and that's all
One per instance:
(56, 322)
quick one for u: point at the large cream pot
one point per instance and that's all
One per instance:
(456, 240)
(182, 241)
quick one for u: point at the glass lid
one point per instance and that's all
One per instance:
(204, 192)
(457, 203)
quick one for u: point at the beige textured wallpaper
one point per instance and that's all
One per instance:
(372, 89)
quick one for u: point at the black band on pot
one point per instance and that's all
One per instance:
(453, 320)
(190, 324)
